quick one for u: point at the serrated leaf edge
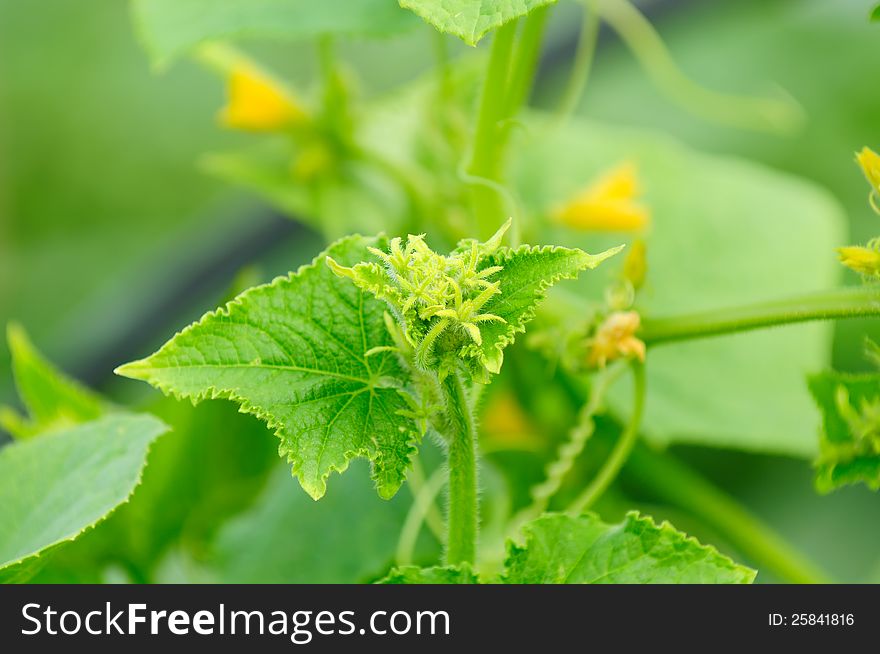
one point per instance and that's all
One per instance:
(589, 262)
(140, 369)
(633, 517)
(45, 551)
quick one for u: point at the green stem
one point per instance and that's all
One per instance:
(583, 62)
(485, 156)
(567, 454)
(420, 513)
(673, 482)
(461, 522)
(829, 305)
(621, 450)
(756, 113)
(418, 483)
(525, 62)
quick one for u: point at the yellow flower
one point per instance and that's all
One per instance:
(257, 103)
(860, 259)
(616, 338)
(870, 164)
(608, 204)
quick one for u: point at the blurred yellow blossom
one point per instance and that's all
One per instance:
(616, 338)
(257, 103)
(870, 164)
(608, 204)
(864, 260)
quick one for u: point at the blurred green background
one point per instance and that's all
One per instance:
(111, 237)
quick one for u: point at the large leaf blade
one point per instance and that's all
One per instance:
(562, 549)
(293, 353)
(744, 391)
(169, 28)
(49, 490)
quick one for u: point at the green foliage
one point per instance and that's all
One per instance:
(53, 400)
(294, 353)
(48, 486)
(849, 445)
(561, 549)
(467, 306)
(169, 28)
(875, 13)
(706, 212)
(471, 20)
(450, 574)
(348, 537)
(583, 550)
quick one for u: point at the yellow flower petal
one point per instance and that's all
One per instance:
(860, 259)
(608, 204)
(870, 164)
(616, 338)
(258, 104)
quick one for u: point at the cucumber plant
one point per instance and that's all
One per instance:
(383, 342)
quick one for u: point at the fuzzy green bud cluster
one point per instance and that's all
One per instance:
(437, 299)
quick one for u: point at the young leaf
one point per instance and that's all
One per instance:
(526, 274)
(436, 575)
(470, 20)
(53, 400)
(849, 445)
(875, 13)
(441, 301)
(48, 493)
(169, 28)
(560, 549)
(294, 353)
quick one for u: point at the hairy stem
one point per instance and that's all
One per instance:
(673, 482)
(485, 160)
(621, 450)
(461, 521)
(583, 62)
(829, 305)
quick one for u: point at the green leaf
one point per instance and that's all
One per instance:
(560, 549)
(875, 13)
(440, 301)
(53, 400)
(350, 536)
(850, 438)
(471, 20)
(347, 199)
(527, 273)
(170, 28)
(293, 353)
(744, 391)
(48, 489)
(436, 575)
